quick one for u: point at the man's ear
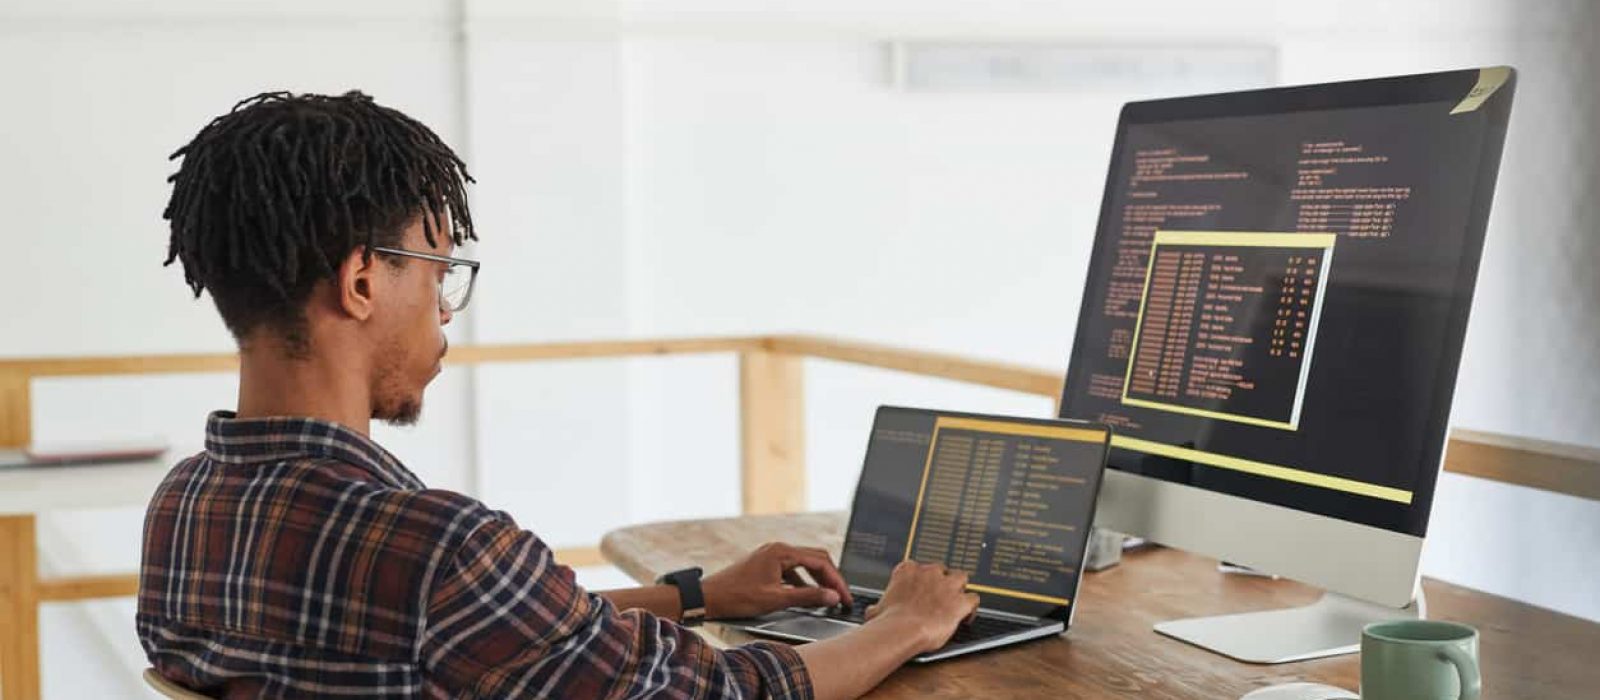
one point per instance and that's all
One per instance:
(353, 288)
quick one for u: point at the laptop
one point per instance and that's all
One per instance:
(1008, 500)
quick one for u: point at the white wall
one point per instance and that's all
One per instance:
(778, 183)
(679, 167)
(98, 94)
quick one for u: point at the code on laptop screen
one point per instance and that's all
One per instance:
(1008, 501)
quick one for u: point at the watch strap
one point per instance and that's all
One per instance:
(691, 598)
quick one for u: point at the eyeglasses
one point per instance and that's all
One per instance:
(456, 289)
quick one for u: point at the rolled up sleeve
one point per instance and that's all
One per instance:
(504, 620)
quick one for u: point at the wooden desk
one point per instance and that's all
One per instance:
(24, 493)
(1111, 650)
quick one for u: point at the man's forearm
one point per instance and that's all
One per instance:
(850, 665)
(661, 601)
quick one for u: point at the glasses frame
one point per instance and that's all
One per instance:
(472, 281)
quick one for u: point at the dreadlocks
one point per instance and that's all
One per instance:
(273, 195)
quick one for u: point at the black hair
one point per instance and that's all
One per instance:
(273, 195)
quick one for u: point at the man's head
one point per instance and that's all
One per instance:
(282, 209)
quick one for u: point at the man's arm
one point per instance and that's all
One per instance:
(920, 610)
(849, 665)
(765, 581)
(504, 620)
(661, 601)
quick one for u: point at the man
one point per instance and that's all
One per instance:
(295, 557)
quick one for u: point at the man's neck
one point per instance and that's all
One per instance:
(323, 387)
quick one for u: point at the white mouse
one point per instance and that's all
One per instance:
(1301, 691)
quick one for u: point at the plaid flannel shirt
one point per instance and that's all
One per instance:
(295, 558)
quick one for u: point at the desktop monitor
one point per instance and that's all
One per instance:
(1273, 321)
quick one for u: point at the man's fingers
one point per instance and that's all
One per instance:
(820, 565)
(793, 578)
(818, 551)
(810, 597)
(872, 611)
(829, 577)
(972, 608)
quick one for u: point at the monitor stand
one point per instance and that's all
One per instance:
(1329, 627)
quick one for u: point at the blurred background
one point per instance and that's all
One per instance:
(922, 173)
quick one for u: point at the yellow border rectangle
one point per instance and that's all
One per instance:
(1019, 594)
(1242, 239)
(1138, 323)
(1247, 239)
(1053, 432)
(1274, 471)
(922, 490)
(1237, 418)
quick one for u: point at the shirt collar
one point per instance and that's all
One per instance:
(233, 440)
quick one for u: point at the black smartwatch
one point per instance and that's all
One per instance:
(690, 597)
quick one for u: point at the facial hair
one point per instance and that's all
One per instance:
(394, 403)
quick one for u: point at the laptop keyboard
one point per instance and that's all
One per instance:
(858, 609)
(979, 629)
(986, 628)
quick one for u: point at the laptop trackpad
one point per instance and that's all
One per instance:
(817, 628)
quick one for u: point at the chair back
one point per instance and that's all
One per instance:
(168, 688)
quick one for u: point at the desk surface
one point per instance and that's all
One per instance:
(25, 490)
(1111, 650)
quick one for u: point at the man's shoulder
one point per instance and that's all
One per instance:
(302, 551)
(316, 492)
(419, 521)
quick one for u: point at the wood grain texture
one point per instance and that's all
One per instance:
(16, 410)
(579, 556)
(479, 354)
(772, 445)
(53, 590)
(120, 365)
(461, 354)
(19, 609)
(1000, 375)
(1567, 469)
(1111, 650)
(1552, 466)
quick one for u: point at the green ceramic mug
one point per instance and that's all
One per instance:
(1419, 660)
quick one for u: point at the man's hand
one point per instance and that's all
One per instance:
(929, 599)
(769, 580)
(918, 613)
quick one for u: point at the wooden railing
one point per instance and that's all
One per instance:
(771, 405)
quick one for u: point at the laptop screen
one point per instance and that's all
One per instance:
(1008, 500)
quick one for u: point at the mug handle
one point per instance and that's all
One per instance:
(1467, 667)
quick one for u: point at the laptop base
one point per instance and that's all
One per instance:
(802, 627)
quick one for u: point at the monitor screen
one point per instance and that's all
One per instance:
(1279, 286)
(1007, 500)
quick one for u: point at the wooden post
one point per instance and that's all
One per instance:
(772, 432)
(16, 411)
(19, 609)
